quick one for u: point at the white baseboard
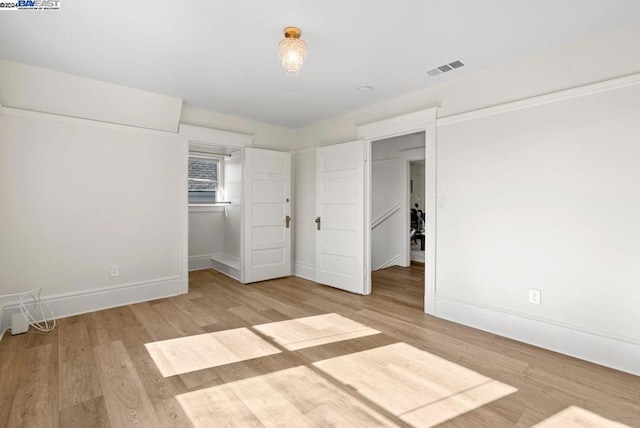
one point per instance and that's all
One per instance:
(613, 352)
(226, 264)
(304, 270)
(391, 262)
(227, 260)
(3, 328)
(69, 304)
(200, 262)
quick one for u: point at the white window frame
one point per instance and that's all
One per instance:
(220, 183)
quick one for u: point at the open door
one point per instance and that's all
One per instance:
(340, 193)
(267, 215)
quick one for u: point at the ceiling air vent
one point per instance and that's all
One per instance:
(445, 68)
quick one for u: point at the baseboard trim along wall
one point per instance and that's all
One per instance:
(69, 304)
(200, 262)
(305, 270)
(3, 327)
(395, 260)
(227, 265)
(598, 348)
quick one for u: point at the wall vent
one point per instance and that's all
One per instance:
(446, 68)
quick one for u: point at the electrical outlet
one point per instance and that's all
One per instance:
(534, 296)
(114, 270)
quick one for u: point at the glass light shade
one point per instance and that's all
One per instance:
(292, 52)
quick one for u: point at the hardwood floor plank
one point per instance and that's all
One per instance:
(171, 414)
(266, 403)
(288, 310)
(440, 372)
(180, 321)
(11, 366)
(226, 319)
(312, 331)
(78, 376)
(575, 416)
(197, 315)
(193, 353)
(243, 294)
(200, 379)
(101, 327)
(249, 316)
(472, 356)
(217, 404)
(134, 338)
(90, 413)
(157, 326)
(126, 400)
(36, 400)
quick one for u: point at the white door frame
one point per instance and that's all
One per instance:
(408, 156)
(423, 120)
(183, 217)
(204, 137)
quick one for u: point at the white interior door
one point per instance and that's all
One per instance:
(267, 211)
(340, 193)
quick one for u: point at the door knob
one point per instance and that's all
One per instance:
(318, 223)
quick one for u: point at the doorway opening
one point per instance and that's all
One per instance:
(347, 217)
(422, 122)
(397, 198)
(215, 211)
(237, 206)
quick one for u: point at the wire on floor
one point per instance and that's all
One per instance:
(35, 309)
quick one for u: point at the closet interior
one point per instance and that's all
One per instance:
(239, 207)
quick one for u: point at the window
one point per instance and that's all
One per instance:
(204, 179)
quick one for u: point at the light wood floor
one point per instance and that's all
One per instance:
(289, 352)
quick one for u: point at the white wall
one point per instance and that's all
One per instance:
(545, 197)
(78, 196)
(206, 235)
(39, 89)
(387, 226)
(233, 212)
(541, 198)
(388, 187)
(265, 135)
(97, 105)
(418, 178)
(80, 191)
(89, 177)
(304, 209)
(605, 56)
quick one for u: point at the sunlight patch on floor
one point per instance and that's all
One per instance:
(296, 397)
(578, 417)
(420, 388)
(313, 331)
(203, 351)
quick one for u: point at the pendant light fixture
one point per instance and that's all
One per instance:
(292, 51)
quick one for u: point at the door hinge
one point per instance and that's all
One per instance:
(365, 154)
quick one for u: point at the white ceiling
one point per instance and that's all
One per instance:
(222, 55)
